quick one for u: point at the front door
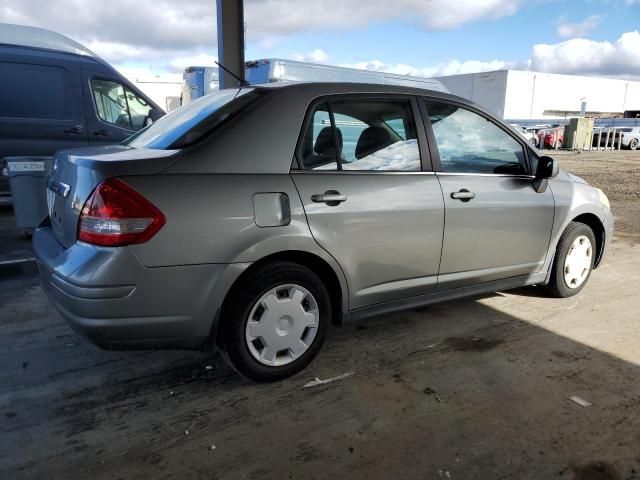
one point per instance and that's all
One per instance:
(497, 225)
(367, 200)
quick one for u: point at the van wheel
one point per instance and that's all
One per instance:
(573, 261)
(633, 145)
(275, 321)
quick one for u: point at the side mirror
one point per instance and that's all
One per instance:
(156, 114)
(547, 168)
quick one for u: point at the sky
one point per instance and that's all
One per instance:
(413, 37)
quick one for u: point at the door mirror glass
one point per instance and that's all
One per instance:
(548, 167)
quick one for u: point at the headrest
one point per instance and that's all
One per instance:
(371, 140)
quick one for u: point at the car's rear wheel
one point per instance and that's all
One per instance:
(573, 262)
(275, 321)
(633, 144)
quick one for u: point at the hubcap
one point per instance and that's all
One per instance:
(282, 325)
(578, 262)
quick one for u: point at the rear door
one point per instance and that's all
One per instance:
(497, 225)
(371, 202)
(114, 111)
(40, 109)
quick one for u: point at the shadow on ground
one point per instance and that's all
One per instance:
(469, 389)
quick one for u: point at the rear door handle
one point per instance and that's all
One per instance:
(330, 197)
(463, 195)
(77, 130)
(100, 133)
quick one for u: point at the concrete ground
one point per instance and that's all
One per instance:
(471, 389)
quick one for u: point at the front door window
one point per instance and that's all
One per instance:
(119, 106)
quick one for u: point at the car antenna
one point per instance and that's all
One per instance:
(243, 83)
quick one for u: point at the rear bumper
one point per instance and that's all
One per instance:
(108, 296)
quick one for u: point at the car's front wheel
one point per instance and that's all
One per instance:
(275, 321)
(573, 262)
(633, 144)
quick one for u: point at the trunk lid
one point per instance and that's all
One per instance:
(75, 174)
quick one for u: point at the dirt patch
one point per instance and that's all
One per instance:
(616, 173)
(471, 344)
(595, 471)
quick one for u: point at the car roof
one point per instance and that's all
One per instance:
(34, 37)
(319, 89)
(336, 88)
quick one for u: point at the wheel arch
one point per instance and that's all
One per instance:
(315, 263)
(595, 224)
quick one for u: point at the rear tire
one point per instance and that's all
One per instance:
(633, 144)
(573, 261)
(275, 321)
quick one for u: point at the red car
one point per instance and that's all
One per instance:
(554, 138)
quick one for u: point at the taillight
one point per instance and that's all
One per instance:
(116, 215)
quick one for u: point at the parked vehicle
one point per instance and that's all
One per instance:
(554, 138)
(606, 137)
(250, 220)
(630, 137)
(199, 81)
(55, 94)
(529, 135)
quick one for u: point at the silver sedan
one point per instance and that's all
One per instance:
(252, 219)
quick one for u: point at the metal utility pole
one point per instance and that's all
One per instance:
(230, 41)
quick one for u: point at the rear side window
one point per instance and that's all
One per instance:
(318, 148)
(119, 106)
(360, 135)
(469, 143)
(35, 91)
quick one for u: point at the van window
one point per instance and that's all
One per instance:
(119, 106)
(35, 91)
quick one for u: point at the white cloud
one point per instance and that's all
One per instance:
(161, 30)
(452, 67)
(582, 56)
(316, 56)
(165, 35)
(576, 56)
(303, 15)
(179, 63)
(573, 30)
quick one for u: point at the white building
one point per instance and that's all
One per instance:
(525, 95)
(164, 89)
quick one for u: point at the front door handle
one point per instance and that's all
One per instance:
(100, 133)
(463, 195)
(330, 197)
(77, 130)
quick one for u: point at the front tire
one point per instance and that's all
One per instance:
(573, 262)
(633, 144)
(275, 321)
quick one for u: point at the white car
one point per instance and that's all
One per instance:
(631, 137)
(526, 133)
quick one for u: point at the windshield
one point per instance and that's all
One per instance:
(174, 126)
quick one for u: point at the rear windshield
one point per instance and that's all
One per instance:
(192, 122)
